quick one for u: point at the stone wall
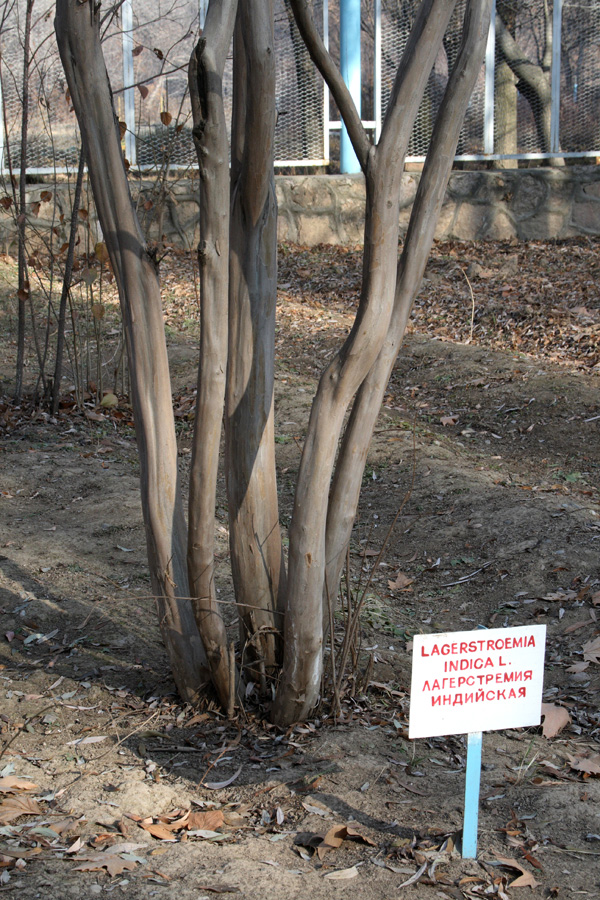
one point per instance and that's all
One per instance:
(528, 204)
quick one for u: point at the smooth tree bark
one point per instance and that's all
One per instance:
(77, 31)
(256, 551)
(382, 166)
(207, 64)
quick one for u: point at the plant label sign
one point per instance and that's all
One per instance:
(473, 681)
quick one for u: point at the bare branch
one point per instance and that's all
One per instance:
(526, 70)
(333, 77)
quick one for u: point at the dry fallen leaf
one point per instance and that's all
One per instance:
(75, 846)
(525, 879)
(591, 650)
(110, 859)
(555, 719)
(217, 785)
(235, 818)
(414, 878)
(578, 667)
(92, 739)
(219, 888)
(316, 810)
(577, 625)
(401, 582)
(449, 420)
(331, 841)
(13, 807)
(157, 830)
(113, 864)
(559, 596)
(11, 783)
(342, 874)
(199, 717)
(209, 820)
(351, 834)
(337, 834)
(587, 764)
(89, 414)
(176, 820)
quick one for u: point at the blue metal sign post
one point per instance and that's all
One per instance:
(472, 782)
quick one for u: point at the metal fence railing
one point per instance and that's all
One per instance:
(537, 95)
(538, 91)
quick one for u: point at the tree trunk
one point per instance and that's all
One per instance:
(505, 92)
(532, 81)
(77, 30)
(505, 113)
(302, 667)
(210, 137)
(255, 540)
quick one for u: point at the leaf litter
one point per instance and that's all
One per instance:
(269, 797)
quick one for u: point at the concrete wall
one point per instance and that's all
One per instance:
(528, 204)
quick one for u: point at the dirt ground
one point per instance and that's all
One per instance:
(489, 437)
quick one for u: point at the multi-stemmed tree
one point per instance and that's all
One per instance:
(283, 603)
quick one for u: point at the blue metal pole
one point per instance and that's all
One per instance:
(472, 781)
(350, 64)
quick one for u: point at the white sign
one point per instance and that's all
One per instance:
(485, 680)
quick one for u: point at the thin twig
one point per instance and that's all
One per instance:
(224, 750)
(472, 306)
(25, 724)
(231, 700)
(111, 749)
(336, 694)
(467, 577)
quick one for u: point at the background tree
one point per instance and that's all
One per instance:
(519, 71)
(237, 256)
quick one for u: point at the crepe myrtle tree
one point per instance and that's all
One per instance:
(283, 604)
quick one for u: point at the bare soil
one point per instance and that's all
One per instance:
(488, 440)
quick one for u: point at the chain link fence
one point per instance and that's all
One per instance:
(537, 94)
